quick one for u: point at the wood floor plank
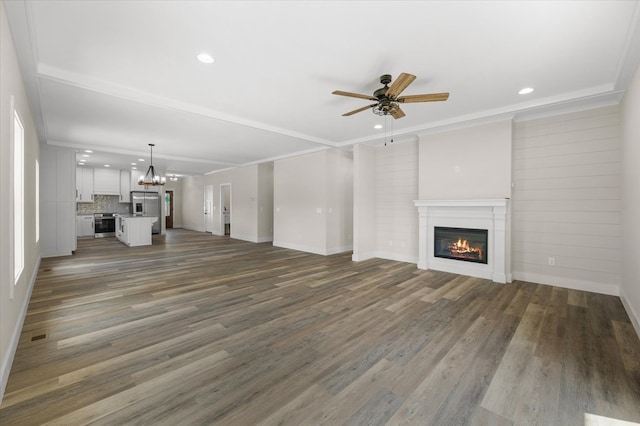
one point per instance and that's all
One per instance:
(505, 394)
(198, 329)
(423, 403)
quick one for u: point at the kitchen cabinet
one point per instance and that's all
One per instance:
(106, 181)
(84, 226)
(125, 186)
(84, 184)
(134, 230)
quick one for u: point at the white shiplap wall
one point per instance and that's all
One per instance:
(396, 182)
(567, 200)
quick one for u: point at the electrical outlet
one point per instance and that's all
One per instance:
(552, 261)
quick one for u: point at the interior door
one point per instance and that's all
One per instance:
(168, 208)
(208, 209)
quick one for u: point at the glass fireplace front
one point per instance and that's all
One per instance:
(469, 245)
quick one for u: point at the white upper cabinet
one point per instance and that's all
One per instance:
(125, 186)
(84, 184)
(106, 182)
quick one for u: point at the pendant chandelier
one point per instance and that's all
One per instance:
(151, 178)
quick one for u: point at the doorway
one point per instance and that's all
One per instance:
(225, 208)
(168, 209)
(208, 209)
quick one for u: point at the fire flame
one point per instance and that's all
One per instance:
(462, 248)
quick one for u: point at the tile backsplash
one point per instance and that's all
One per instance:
(103, 204)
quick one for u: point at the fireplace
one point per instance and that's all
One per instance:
(467, 237)
(469, 245)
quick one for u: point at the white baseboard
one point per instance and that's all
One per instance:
(336, 250)
(243, 238)
(359, 257)
(56, 254)
(194, 228)
(309, 249)
(396, 256)
(5, 369)
(633, 315)
(298, 247)
(594, 287)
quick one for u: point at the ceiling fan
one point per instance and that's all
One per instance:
(387, 98)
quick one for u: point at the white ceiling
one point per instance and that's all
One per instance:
(113, 76)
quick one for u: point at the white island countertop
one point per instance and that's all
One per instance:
(134, 230)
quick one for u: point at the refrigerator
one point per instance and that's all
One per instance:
(147, 204)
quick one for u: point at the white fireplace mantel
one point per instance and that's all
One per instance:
(489, 214)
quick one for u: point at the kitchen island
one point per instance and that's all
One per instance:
(134, 230)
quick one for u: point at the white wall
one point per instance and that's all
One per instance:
(193, 203)
(396, 186)
(299, 198)
(630, 284)
(567, 201)
(246, 193)
(468, 163)
(265, 202)
(312, 202)
(244, 201)
(14, 299)
(364, 198)
(339, 201)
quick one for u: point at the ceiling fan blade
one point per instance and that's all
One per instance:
(353, 95)
(398, 113)
(400, 84)
(431, 97)
(355, 111)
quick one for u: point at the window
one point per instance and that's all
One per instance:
(18, 196)
(37, 204)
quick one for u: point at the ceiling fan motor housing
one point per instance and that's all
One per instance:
(381, 93)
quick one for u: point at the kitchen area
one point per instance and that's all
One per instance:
(106, 206)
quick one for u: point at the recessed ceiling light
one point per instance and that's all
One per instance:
(525, 91)
(141, 160)
(80, 164)
(134, 168)
(107, 165)
(205, 58)
(378, 126)
(88, 151)
(133, 164)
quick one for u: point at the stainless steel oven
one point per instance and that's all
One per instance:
(105, 225)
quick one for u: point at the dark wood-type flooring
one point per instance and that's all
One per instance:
(199, 330)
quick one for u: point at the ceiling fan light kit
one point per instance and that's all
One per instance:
(387, 98)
